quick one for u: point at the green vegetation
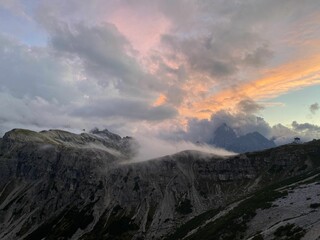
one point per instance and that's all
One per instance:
(121, 226)
(62, 226)
(275, 169)
(136, 187)
(192, 224)
(184, 207)
(136, 184)
(234, 224)
(258, 237)
(314, 205)
(303, 167)
(115, 226)
(289, 232)
(24, 132)
(314, 157)
(151, 212)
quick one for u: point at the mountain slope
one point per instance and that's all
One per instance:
(251, 142)
(286, 210)
(59, 185)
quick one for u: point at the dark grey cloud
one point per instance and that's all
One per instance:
(201, 56)
(223, 47)
(200, 130)
(224, 38)
(39, 89)
(314, 108)
(305, 127)
(104, 54)
(35, 88)
(258, 57)
(33, 72)
(125, 108)
(33, 113)
(249, 106)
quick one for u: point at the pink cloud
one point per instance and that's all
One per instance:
(141, 25)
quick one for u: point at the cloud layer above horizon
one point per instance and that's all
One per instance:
(157, 67)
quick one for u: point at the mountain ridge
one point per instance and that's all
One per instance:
(62, 191)
(225, 137)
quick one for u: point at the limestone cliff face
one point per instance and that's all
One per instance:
(59, 185)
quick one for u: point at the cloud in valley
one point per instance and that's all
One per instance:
(147, 151)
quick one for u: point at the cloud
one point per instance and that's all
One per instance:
(35, 88)
(16, 7)
(105, 55)
(33, 72)
(33, 113)
(147, 151)
(125, 108)
(258, 57)
(218, 45)
(247, 105)
(274, 83)
(242, 123)
(224, 39)
(300, 127)
(42, 89)
(125, 62)
(314, 108)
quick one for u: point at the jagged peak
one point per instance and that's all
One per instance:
(105, 133)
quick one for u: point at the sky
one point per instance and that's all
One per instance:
(166, 69)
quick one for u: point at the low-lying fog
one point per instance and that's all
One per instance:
(150, 148)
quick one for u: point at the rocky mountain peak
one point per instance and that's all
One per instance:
(225, 137)
(106, 134)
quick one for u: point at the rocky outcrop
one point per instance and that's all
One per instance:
(59, 185)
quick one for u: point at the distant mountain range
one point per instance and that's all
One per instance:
(225, 137)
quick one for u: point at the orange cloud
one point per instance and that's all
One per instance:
(144, 33)
(287, 77)
(162, 99)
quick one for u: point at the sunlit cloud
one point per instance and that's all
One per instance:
(142, 25)
(287, 77)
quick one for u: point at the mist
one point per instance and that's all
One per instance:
(151, 148)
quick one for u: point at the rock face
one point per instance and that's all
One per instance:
(251, 142)
(226, 138)
(59, 185)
